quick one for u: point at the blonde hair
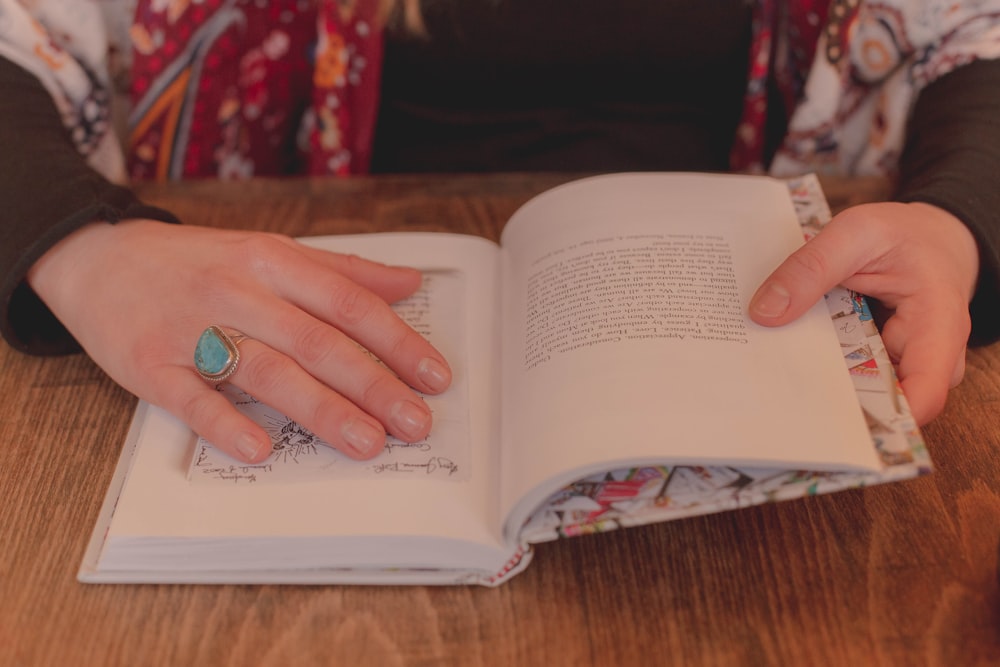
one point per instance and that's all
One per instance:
(403, 15)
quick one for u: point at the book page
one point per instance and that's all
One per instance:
(640, 495)
(428, 521)
(628, 341)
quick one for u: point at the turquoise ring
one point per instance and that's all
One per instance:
(217, 354)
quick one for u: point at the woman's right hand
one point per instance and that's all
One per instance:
(137, 295)
(918, 261)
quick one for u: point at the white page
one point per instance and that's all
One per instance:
(158, 500)
(581, 401)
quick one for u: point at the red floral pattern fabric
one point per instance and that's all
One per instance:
(233, 88)
(783, 42)
(219, 88)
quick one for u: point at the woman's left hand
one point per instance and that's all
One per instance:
(918, 261)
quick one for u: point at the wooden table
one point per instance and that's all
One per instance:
(904, 574)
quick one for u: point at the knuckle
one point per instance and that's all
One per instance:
(397, 344)
(868, 224)
(260, 252)
(857, 215)
(263, 372)
(376, 390)
(330, 409)
(352, 304)
(808, 264)
(196, 411)
(313, 343)
(353, 263)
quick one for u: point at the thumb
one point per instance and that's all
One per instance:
(828, 259)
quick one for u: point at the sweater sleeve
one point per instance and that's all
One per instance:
(48, 191)
(951, 160)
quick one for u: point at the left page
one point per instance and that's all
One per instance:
(365, 519)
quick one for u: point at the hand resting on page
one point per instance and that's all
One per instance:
(138, 294)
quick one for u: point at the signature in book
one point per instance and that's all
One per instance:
(236, 474)
(432, 465)
(421, 446)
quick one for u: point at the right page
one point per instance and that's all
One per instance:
(627, 341)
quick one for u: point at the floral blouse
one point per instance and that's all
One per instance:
(234, 88)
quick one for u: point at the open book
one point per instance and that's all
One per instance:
(605, 375)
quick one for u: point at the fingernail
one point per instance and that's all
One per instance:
(363, 436)
(248, 446)
(410, 419)
(434, 374)
(772, 301)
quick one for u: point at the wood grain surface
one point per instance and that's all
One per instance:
(904, 574)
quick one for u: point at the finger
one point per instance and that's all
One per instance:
(332, 297)
(825, 261)
(391, 283)
(303, 354)
(931, 354)
(350, 416)
(211, 415)
(278, 382)
(958, 374)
